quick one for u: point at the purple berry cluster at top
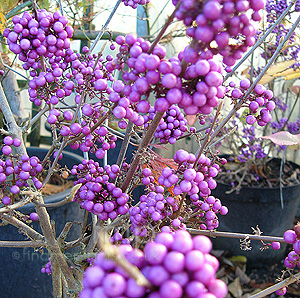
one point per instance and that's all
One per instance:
(195, 88)
(135, 3)
(176, 265)
(213, 25)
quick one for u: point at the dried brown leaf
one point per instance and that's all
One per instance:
(235, 288)
(244, 278)
(294, 75)
(277, 70)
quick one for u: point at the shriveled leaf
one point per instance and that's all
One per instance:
(283, 138)
(296, 89)
(191, 119)
(266, 79)
(276, 70)
(245, 72)
(279, 67)
(235, 288)
(244, 278)
(293, 75)
(284, 73)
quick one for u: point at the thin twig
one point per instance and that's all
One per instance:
(235, 235)
(66, 200)
(17, 9)
(163, 30)
(33, 234)
(18, 73)
(62, 236)
(278, 286)
(125, 144)
(80, 258)
(35, 118)
(208, 135)
(159, 14)
(50, 172)
(16, 205)
(104, 26)
(144, 144)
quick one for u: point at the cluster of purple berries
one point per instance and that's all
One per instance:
(197, 182)
(202, 85)
(89, 141)
(214, 23)
(195, 88)
(24, 168)
(293, 237)
(47, 268)
(293, 258)
(117, 238)
(171, 127)
(175, 264)
(135, 3)
(260, 102)
(97, 194)
(31, 38)
(153, 207)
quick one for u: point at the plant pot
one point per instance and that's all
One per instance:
(20, 274)
(252, 207)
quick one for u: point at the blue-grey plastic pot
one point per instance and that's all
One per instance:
(252, 207)
(20, 274)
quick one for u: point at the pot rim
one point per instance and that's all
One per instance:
(259, 187)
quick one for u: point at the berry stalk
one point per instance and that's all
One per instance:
(163, 30)
(145, 143)
(125, 143)
(105, 26)
(236, 235)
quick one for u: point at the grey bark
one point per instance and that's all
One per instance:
(12, 92)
